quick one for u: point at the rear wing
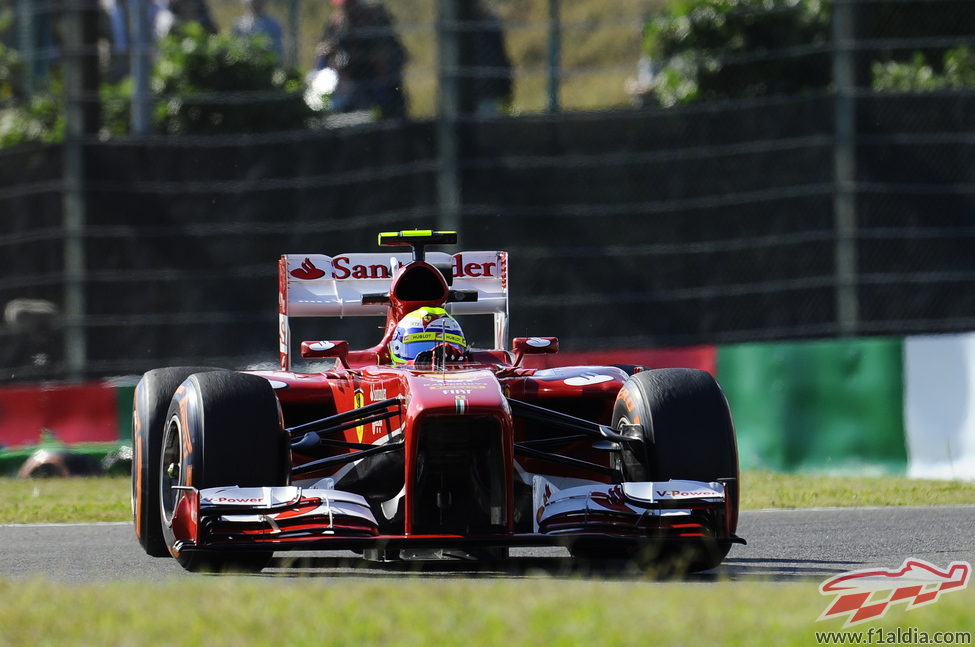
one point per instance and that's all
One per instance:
(316, 285)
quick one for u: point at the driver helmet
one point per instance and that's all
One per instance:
(423, 329)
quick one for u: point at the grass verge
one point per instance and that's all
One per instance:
(771, 490)
(411, 611)
(107, 499)
(68, 500)
(425, 609)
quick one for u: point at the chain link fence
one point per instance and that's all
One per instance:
(644, 203)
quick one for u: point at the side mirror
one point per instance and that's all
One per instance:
(533, 346)
(324, 348)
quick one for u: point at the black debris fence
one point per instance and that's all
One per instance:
(633, 219)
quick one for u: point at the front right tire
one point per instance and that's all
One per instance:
(684, 421)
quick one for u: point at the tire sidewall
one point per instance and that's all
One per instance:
(685, 423)
(184, 420)
(632, 407)
(229, 431)
(151, 400)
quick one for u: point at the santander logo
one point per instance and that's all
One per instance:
(307, 271)
(340, 268)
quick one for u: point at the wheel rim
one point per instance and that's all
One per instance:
(630, 465)
(171, 470)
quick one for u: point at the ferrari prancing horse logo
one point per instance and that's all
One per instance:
(358, 401)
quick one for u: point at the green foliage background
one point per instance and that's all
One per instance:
(957, 71)
(721, 49)
(710, 49)
(213, 84)
(41, 119)
(702, 50)
(224, 84)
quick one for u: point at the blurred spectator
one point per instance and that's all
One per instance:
(361, 46)
(640, 88)
(492, 83)
(38, 44)
(255, 22)
(117, 12)
(174, 13)
(162, 17)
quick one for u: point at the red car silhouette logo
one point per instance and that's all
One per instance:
(867, 594)
(307, 271)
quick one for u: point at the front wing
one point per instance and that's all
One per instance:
(323, 518)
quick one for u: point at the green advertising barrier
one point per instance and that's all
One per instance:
(833, 405)
(124, 403)
(87, 459)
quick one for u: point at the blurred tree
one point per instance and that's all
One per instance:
(709, 49)
(937, 24)
(11, 74)
(6, 24)
(223, 83)
(955, 71)
(27, 119)
(206, 84)
(40, 120)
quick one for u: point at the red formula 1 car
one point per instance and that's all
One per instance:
(448, 452)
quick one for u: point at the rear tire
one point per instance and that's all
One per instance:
(151, 401)
(685, 423)
(223, 428)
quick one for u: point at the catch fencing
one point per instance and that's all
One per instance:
(841, 210)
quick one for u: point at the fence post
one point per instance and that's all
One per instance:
(81, 118)
(554, 54)
(448, 112)
(844, 160)
(140, 43)
(294, 22)
(27, 43)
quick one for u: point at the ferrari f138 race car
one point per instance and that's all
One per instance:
(422, 445)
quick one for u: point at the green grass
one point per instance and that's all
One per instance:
(411, 611)
(107, 499)
(64, 500)
(772, 490)
(417, 609)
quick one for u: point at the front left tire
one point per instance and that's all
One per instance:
(153, 395)
(223, 429)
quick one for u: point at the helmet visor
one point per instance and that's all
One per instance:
(416, 343)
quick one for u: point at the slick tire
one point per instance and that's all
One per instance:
(151, 401)
(685, 423)
(223, 428)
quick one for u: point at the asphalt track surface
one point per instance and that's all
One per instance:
(782, 545)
